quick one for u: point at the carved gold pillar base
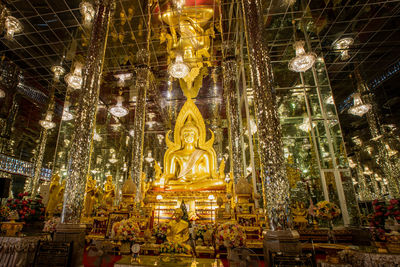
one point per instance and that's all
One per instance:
(273, 171)
(85, 119)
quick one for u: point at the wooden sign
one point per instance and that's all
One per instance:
(53, 254)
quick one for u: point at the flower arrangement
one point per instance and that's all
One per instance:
(200, 229)
(326, 210)
(393, 210)
(51, 224)
(29, 209)
(4, 213)
(230, 235)
(160, 231)
(125, 230)
(170, 247)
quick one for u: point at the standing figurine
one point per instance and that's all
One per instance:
(53, 192)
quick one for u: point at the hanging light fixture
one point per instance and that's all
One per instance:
(113, 160)
(329, 100)
(67, 115)
(13, 25)
(149, 157)
(74, 79)
(58, 71)
(47, 123)
(306, 125)
(178, 69)
(96, 136)
(342, 45)
(119, 110)
(303, 61)
(358, 108)
(87, 11)
(122, 77)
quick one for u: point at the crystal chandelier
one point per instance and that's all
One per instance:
(67, 115)
(74, 79)
(303, 61)
(122, 78)
(178, 69)
(343, 46)
(113, 160)
(58, 71)
(12, 26)
(118, 110)
(87, 11)
(306, 125)
(96, 136)
(358, 108)
(132, 132)
(47, 123)
(149, 157)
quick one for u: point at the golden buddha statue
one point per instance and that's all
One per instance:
(109, 192)
(188, 34)
(90, 196)
(60, 196)
(178, 229)
(53, 192)
(190, 163)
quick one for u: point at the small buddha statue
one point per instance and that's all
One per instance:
(60, 196)
(90, 196)
(128, 193)
(220, 211)
(109, 192)
(53, 192)
(178, 229)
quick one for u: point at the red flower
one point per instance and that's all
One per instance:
(375, 202)
(387, 214)
(20, 194)
(390, 207)
(24, 202)
(22, 217)
(26, 193)
(33, 212)
(25, 207)
(14, 206)
(394, 202)
(17, 201)
(379, 213)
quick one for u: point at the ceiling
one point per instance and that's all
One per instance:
(53, 34)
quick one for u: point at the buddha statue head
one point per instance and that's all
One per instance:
(189, 133)
(178, 213)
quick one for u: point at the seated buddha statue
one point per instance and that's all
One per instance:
(178, 229)
(190, 162)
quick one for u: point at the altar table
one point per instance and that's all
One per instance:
(147, 261)
(19, 251)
